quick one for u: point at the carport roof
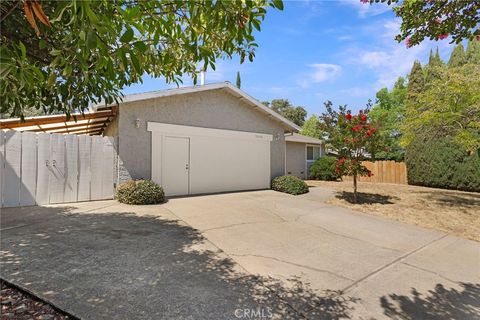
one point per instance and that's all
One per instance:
(288, 125)
(92, 123)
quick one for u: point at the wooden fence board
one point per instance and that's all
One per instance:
(43, 169)
(107, 177)
(71, 168)
(384, 172)
(13, 143)
(57, 173)
(96, 168)
(29, 169)
(84, 174)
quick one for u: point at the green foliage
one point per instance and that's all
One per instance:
(285, 108)
(387, 115)
(239, 80)
(458, 57)
(93, 49)
(140, 192)
(289, 184)
(473, 52)
(324, 169)
(442, 163)
(450, 106)
(354, 138)
(416, 81)
(435, 20)
(432, 69)
(311, 128)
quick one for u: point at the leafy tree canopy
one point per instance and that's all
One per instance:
(63, 55)
(311, 128)
(296, 114)
(387, 115)
(458, 57)
(435, 19)
(450, 106)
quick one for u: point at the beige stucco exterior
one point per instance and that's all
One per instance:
(216, 109)
(295, 159)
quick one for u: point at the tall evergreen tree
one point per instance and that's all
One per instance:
(434, 60)
(416, 81)
(457, 58)
(432, 69)
(473, 51)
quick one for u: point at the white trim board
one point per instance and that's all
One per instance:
(181, 130)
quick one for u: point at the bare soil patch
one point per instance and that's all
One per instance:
(451, 211)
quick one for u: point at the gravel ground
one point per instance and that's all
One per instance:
(451, 211)
(23, 306)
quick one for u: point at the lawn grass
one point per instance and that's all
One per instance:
(454, 212)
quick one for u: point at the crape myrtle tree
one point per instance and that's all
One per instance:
(354, 138)
(64, 55)
(435, 19)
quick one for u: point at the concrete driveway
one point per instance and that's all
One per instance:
(198, 257)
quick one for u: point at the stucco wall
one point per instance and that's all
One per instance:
(295, 159)
(112, 128)
(209, 109)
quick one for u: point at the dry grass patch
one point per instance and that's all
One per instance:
(454, 212)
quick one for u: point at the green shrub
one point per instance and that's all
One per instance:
(140, 192)
(324, 169)
(289, 184)
(442, 163)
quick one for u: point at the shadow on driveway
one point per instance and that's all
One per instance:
(126, 266)
(439, 303)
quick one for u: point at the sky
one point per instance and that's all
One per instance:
(312, 51)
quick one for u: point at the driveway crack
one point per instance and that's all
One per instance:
(399, 259)
(345, 236)
(239, 224)
(429, 271)
(293, 264)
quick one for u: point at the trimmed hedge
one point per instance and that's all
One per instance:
(140, 192)
(442, 163)
(324, 169)
(289, 184)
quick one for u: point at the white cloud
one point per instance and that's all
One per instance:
(365, 10)
(359, 92)
(384, 56)
(319, 72)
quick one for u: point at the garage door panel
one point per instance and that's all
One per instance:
(222, 164)
(220, 160)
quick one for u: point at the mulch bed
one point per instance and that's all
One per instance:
(17, 304)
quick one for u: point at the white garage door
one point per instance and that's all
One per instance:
(194, 160)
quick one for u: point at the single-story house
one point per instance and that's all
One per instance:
(191, 140)
(206, 139)
(301, 153)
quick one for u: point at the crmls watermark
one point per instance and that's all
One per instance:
(257, 313)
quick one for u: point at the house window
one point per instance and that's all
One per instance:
(313, 153)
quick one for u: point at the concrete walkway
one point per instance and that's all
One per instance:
(195, 258)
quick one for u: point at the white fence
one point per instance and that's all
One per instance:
(53, 168)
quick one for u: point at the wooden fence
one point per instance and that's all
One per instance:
(49, 168)
(385, 171)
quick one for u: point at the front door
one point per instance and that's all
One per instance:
(176, 166)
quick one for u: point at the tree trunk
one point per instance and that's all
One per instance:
(355, 188)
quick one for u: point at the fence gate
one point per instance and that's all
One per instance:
(52, 168)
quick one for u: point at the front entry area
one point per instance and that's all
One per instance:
(194, 160)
